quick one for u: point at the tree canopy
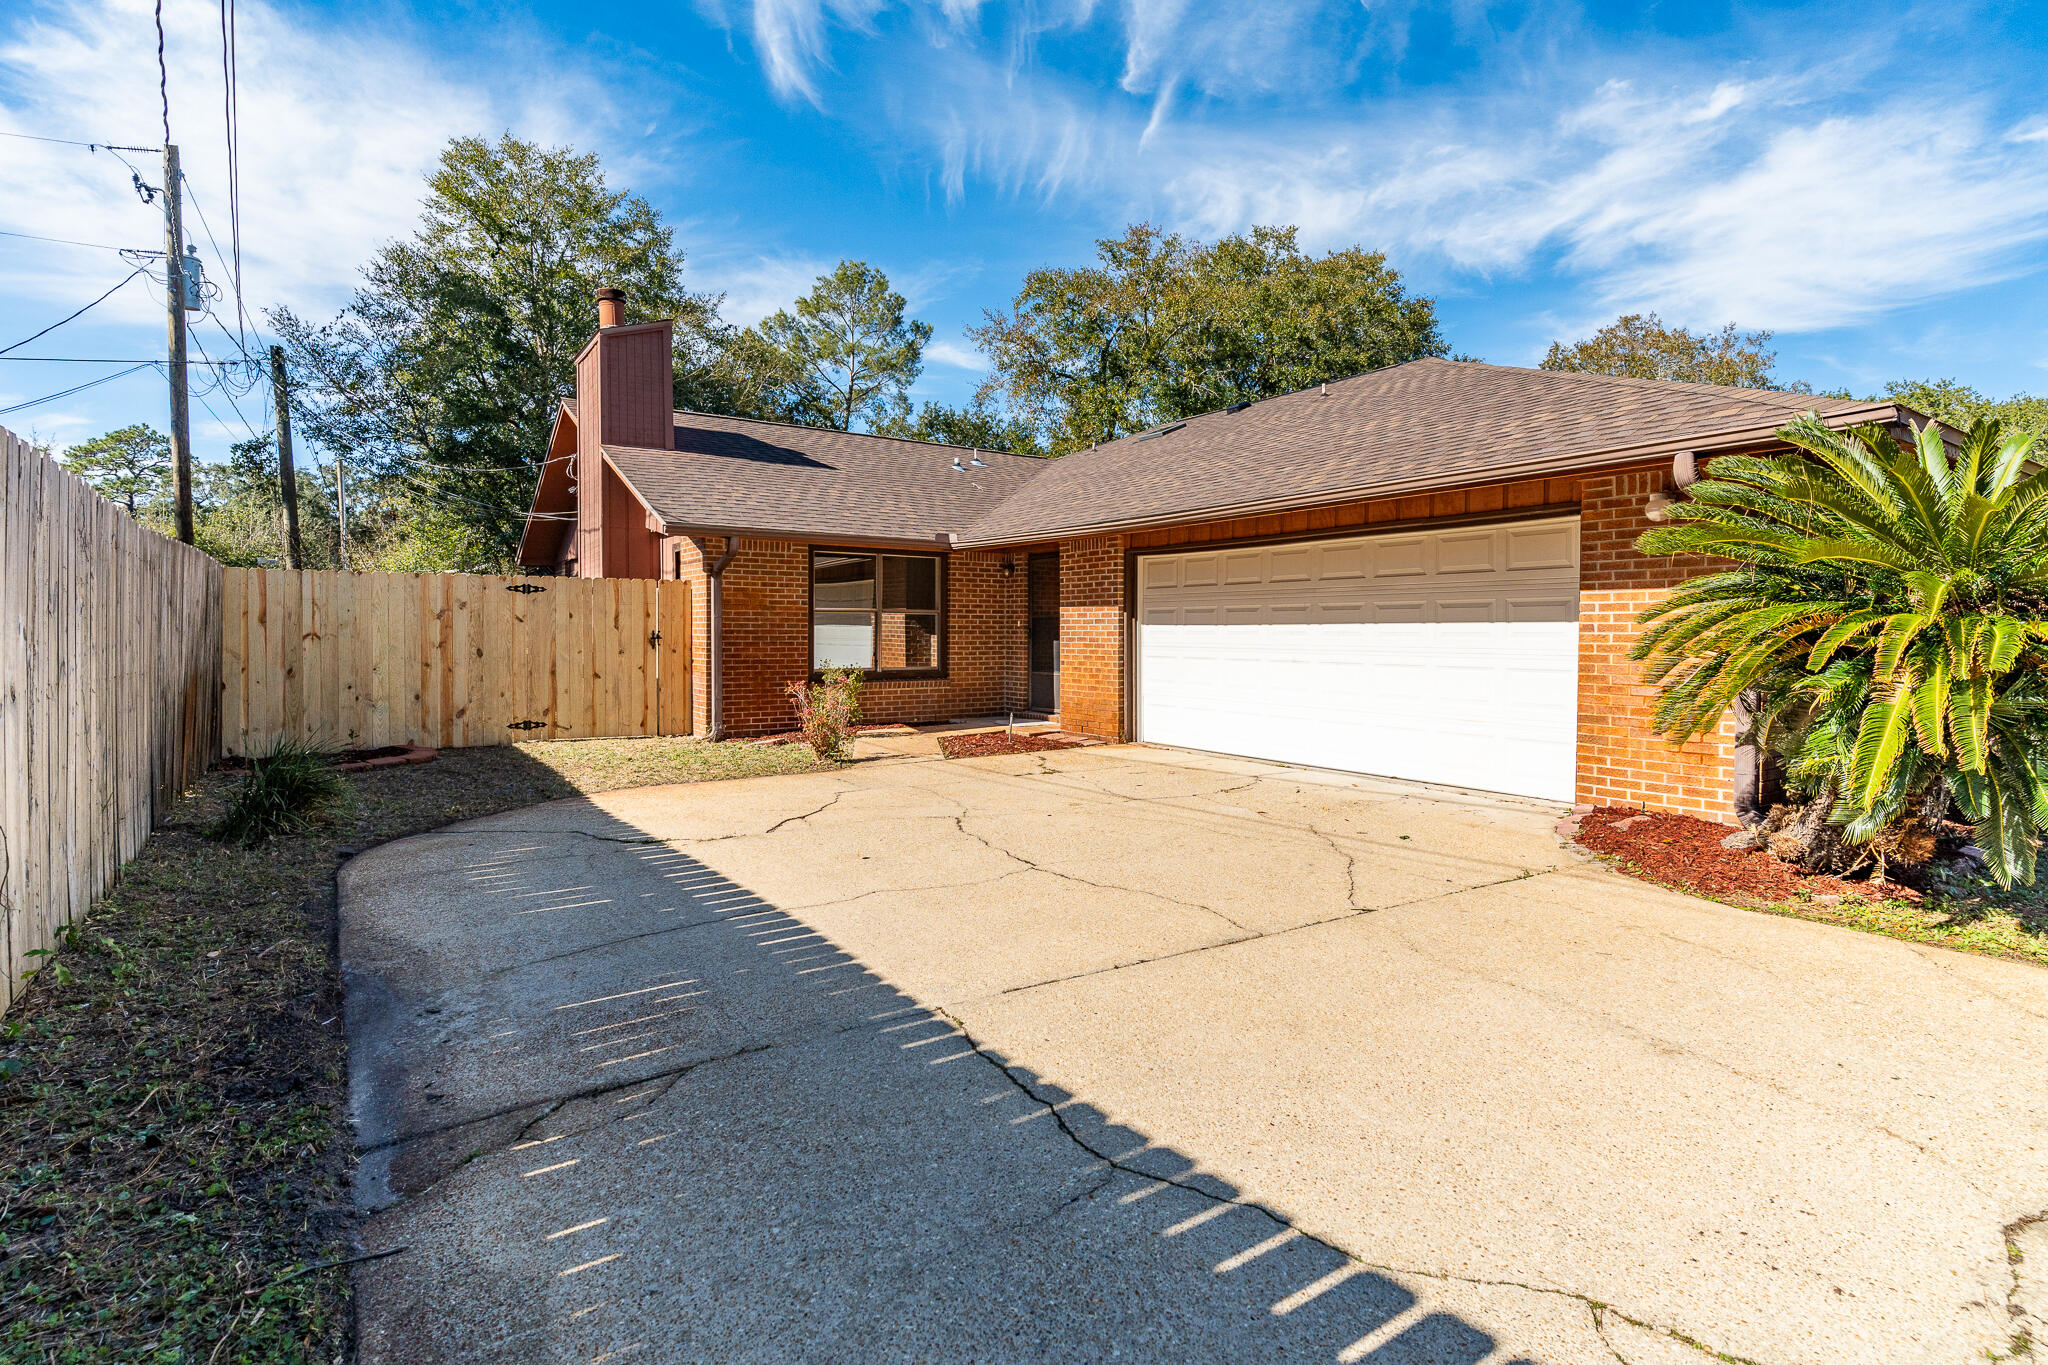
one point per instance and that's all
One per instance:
(444, 371)
(980, 424)
(1164, 327)
(1644, 346)
(131, 466)
(1959, 405)
(845, 353)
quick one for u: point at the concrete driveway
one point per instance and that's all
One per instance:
(1125, 1054)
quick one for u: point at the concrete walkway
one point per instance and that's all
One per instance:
(1125, 1054)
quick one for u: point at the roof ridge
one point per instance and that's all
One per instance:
(837, 431)
(1740, 391)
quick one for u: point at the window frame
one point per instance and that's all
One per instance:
(944, 610)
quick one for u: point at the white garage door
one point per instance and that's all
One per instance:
(1442, 656)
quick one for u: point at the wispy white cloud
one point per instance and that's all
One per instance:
(331, 166)
(756, 286)
(955, 356)
(1813, 193)
(1713, 199)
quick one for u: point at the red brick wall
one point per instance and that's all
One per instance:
(1092, 636)
(767, 641)
(1620, 761)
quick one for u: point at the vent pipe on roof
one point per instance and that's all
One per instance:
(611, 307)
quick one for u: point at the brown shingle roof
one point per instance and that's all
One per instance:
(731, 473)
(1428, 422)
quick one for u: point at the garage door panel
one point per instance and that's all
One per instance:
(1450, 657)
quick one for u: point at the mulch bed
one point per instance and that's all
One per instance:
(984, 743)
(1684, 852)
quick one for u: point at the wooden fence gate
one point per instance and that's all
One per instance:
(361, 660)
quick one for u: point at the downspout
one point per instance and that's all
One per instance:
(716, 571)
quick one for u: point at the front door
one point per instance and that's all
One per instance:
(1045, 632)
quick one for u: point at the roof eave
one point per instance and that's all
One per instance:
(563, 413)
(1588, 462)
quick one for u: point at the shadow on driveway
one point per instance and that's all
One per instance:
(615, 1106)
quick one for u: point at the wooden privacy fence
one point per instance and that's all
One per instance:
(109, 689)
(362, 660)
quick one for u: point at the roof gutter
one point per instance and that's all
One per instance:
(943, 540)
(1735, 438)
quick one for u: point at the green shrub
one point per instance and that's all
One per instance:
(284, 790)
(827, 710)
(1888, 605)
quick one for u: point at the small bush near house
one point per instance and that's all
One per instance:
(284, 790)
(827, 710)
(1886, 617)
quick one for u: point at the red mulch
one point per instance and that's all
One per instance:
(1685, 852)
(983, 743)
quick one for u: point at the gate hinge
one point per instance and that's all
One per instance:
(527, 725)
(525, 587)
(655, 638)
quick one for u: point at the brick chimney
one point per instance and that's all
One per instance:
(625, 396)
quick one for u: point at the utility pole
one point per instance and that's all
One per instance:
(174, 275)
(287, 476)
(341, 503)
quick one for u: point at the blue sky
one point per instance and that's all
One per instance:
(1870, 182)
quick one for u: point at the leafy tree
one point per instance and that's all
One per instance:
(1959, 405)
(1642, 346)
(131, 466)
(1164, 327)
(978, 424)
(846, 353)
(444, 371)
(1890, 605)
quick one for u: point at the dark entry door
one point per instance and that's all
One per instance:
(1045, 632)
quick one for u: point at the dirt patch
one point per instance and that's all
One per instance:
(174, 1150)
(1685, 852)
(984, 743)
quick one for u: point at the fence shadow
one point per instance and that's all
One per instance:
(624, 1108)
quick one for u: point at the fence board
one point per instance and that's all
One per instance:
(110, 660)
(446, 660)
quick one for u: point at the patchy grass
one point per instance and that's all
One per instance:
(174, 1152)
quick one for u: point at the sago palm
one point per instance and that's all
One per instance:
(1887, 601)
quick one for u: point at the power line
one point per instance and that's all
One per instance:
(64, 241)
(72, 142)
(102, 360)
(79, 388)
(231, 79)
(163, 74)
(61, 321)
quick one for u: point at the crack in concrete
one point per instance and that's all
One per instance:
(1009, 1073)
(795, 819)
(1621, 1025)
(1256, 936)
(960, 823)
(668, 1076)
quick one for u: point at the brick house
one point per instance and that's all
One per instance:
(1425, 571)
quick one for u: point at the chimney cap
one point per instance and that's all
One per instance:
(613, 294)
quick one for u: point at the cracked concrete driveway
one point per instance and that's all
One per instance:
(1129, 1054)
